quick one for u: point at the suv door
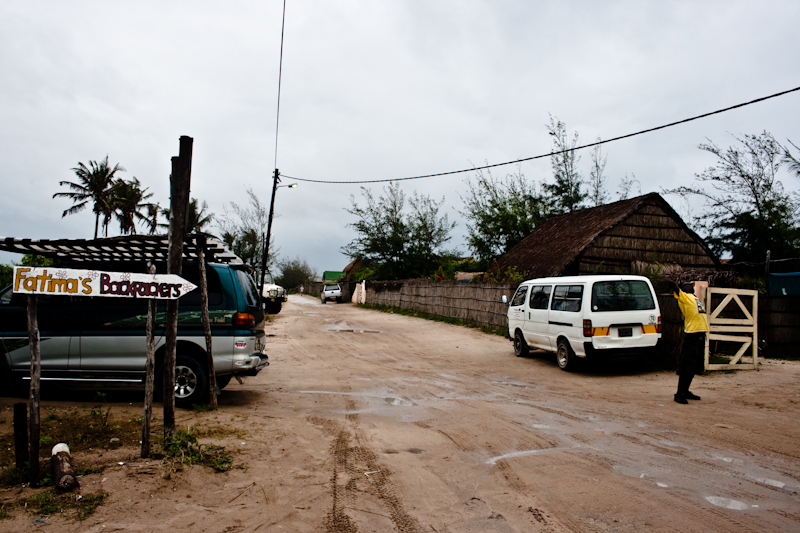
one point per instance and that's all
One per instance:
(59, 319)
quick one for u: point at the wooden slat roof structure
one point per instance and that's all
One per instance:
(122, 249)
(551, 247)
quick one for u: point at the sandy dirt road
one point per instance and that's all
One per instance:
(375, 422)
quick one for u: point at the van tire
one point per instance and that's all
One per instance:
(565, 357)
(520, 346)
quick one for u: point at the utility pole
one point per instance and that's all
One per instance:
(265, 255)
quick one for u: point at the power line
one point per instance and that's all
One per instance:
(280, 73)
(704, 115)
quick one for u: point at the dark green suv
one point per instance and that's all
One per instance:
(102, 340)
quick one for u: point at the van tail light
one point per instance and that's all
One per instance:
(244, 319)
(587, 328)
(658, 325)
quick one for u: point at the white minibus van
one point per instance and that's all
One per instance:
(580, 316)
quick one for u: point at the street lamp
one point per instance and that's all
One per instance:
(264, 256)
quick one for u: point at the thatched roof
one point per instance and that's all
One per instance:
(554, 245)
(125, 248)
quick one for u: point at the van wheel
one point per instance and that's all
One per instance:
(565, 357)
(520, 346)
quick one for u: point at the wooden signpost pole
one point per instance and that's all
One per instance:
(36, 370)
(180, 184)
(150, 368)
(200, 243)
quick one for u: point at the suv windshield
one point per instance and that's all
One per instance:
(630, 295)
(268, 279)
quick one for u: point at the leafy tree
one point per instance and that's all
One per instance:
(597, 180)
(500, 212)
(747, 210)
(791, 161)
(294, 272)
(244, 227)
(398, 244)
(625, 186)
(128, 201)
(566, 194)
(95, 185)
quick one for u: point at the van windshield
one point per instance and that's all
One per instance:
(626, 295)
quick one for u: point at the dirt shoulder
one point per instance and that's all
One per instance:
(368, 421)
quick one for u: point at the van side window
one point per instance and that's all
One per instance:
(540, 296)
(567, 298)
(519, 297)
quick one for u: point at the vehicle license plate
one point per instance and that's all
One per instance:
(625, 332)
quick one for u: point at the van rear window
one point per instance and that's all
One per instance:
(628, 295)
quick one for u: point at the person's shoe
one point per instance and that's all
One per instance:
(680, 399)
(691, 396)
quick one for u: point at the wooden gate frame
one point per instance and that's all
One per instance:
(721, 328)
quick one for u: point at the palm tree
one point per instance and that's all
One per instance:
(199, 218)
(150, 218)
(128, 201)
(791, 161)
(95, 184)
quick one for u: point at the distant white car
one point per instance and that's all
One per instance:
(332, 293)
(273, 295)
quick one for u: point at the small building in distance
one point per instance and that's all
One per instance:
(620, 237)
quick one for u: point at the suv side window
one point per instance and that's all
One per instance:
(519, 297)
(540, 296)
(567, 298)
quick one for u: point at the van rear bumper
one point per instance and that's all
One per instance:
(591, 351)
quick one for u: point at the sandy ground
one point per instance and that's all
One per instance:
(375, 422)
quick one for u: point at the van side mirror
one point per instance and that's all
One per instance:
(504, 298)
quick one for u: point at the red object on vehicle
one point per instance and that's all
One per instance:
(244, 319)
(587, 328)
(658, 325)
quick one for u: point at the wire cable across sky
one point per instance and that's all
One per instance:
(704, 115)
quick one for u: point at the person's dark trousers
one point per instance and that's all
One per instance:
(689, 364)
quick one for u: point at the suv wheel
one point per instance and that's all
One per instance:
(520, 346)
(191, 382)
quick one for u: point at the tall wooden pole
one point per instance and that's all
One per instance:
(150, 370)
(36, 371)
(180, 185)
(200, 243)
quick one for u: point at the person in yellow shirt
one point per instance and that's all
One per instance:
(695, 328)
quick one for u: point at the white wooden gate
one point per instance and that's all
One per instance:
(740, 330)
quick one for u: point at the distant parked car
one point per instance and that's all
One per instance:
(331, 293)
(274, 295)
(102, 341)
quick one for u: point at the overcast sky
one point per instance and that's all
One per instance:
(373, 90)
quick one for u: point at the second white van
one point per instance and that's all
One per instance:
(580, 316)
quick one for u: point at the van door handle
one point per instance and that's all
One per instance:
(529, 315)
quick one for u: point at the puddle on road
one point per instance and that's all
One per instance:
(771, 482)
(493, 460)
(627, 471)
(399, 401)
(727, 503)
(516, 384)
(390, 401)
(348, 330)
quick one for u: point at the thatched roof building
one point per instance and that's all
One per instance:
(608, 239)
